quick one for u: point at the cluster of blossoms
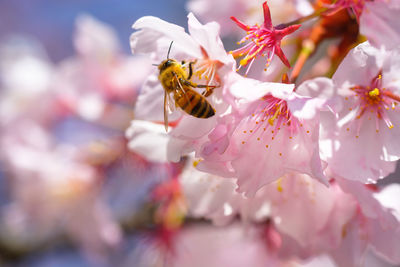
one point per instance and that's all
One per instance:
(296, 156)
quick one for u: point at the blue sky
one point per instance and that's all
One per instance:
(52, 22)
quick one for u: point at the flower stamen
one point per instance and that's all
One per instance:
(264, 40)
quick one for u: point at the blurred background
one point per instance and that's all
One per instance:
(53, 23)
(70, 192)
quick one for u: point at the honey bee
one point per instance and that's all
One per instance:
(175, 79)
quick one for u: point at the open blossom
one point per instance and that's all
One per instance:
(277, 131)
(249, 11)
(252, 12)
(211, 62)
(264, 40)
(367, 114)
(202, 46)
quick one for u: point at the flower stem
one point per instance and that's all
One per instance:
(306, 51)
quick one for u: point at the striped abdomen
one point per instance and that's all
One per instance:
(194, 104)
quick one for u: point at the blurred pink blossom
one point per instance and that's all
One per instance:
(99, 74)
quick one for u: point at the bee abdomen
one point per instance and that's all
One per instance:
(195, 104)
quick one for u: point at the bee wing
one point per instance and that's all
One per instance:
(170, 103)
(166, 96)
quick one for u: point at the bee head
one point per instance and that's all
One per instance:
(166, 64)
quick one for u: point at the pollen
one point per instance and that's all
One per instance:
(374, 99)
(196, 162)
(279, 185)
(243, 62)
(271, 115)
(374, 93)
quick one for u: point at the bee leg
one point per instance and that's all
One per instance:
(181, 81)
(209, 90)
(187, 82)
(190, 70)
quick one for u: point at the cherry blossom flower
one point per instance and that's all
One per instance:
(265, 40)
(366, 114)
(249, 11)
(203, 47)
(277, 131)
(252, 12)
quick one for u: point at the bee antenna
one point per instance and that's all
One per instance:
(169, 49)
(154, 64)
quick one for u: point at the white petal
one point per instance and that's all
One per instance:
(155, 32)
(389, 197)
(148, 139)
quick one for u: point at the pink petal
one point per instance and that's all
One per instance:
(267, 16)
(379, 22)
(207, 36)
